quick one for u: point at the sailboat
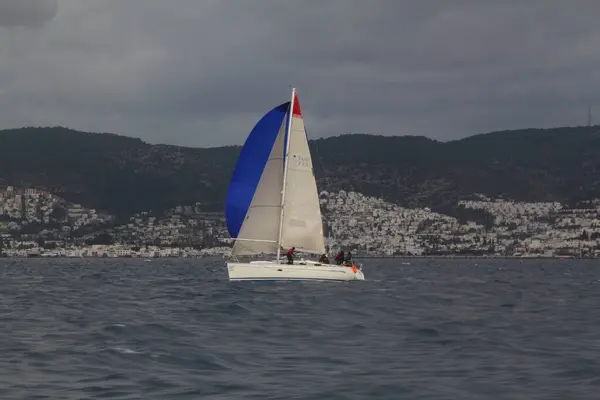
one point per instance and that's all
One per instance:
(273, 204)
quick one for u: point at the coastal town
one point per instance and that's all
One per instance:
(36, 223)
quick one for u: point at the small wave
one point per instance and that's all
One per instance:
(124, 350)
(440, 329)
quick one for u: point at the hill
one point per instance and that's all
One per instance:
(114, 173)
(123, 175)
(559, 164)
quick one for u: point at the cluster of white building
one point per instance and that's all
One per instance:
(371, 225)
(181, 224)
(31, 249)
(33, 206)
(511, 212)
(353, 221)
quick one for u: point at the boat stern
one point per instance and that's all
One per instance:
(359, 275)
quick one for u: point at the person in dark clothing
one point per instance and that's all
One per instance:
(339, 259)
(348, 260)
(290, 255)
(349, 256)
(324, 259)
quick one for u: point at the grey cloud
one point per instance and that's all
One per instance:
(27, 12)
(203, 72)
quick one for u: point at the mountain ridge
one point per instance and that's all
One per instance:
(123, 175)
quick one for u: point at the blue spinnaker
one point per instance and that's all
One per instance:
(250, 165)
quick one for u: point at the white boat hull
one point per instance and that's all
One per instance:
(299, 271)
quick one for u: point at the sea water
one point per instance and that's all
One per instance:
(415, 329)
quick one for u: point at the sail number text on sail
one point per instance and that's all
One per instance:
(302, 161)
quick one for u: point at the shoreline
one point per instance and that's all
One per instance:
(356, 257)
(465, 257)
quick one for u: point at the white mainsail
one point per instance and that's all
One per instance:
(302, 225)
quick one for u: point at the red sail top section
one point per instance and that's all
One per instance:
(296, 112)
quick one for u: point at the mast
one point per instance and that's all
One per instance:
(285, 169)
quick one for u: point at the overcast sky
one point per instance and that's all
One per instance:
(202, 72)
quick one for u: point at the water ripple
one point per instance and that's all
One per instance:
(177, 329)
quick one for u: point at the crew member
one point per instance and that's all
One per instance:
(324, 259)
(349, 256)
(290, 255)
(339, 259)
